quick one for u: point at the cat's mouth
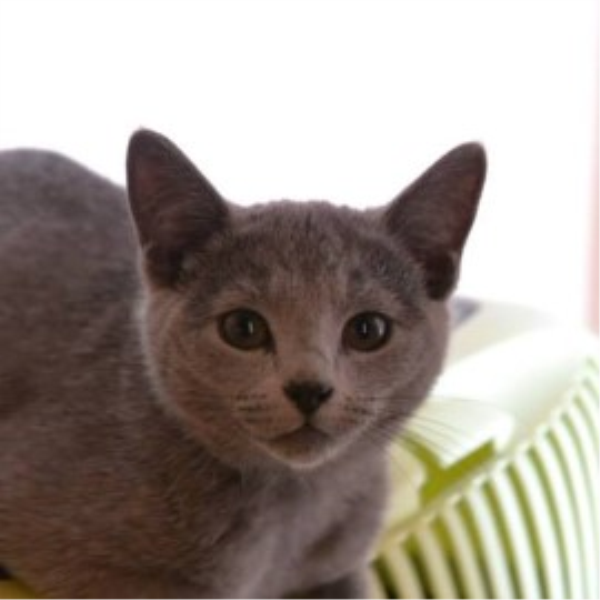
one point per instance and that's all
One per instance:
(306, 434)
(304, 446)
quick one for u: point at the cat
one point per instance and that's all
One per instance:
(196, 398)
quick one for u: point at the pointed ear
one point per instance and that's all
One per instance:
(433, 216)
(175, 209)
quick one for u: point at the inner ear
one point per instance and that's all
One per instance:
(175, 208)
(433, 216)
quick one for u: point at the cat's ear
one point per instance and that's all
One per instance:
(433, 216)
(175, 209)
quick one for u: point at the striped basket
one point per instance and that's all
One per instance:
(497, 479)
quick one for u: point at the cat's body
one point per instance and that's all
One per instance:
(142, 455)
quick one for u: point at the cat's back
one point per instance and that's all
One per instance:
(42, 190)
(59, 218)
(67, 251)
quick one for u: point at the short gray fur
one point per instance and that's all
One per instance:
(143, 456)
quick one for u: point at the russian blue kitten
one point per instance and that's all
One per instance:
(200, 404)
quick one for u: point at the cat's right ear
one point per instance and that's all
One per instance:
(433, 216)
(175, 208)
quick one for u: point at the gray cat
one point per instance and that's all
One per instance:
(199, 405)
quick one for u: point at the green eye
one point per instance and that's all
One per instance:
(367, 332)
(245, 330)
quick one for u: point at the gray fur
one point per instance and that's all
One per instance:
(142, 456)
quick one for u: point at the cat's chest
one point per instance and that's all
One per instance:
(293, 539)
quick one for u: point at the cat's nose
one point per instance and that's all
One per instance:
(308, 396)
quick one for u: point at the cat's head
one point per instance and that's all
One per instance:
(295, 332)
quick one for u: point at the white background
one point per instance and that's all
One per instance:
(344, 100)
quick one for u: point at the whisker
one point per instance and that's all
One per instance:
(387, 398)
(440, 431)
(421, 441)
(248, 398)
(359, 410)
(439, 427)
(251, 408)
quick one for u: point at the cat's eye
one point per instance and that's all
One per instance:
(245, 329)
(367, 332)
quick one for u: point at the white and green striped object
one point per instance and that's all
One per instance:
(496, 489)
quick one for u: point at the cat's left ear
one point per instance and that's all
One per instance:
(175, 208)
(433, 216)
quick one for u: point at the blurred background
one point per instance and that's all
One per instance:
(341, 100)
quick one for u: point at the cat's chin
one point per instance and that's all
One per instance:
(304, 448)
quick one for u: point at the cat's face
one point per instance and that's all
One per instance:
(300, 332)
(289, 332)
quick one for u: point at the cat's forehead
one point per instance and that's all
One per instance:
(310, 236)
(297, 253)
(304, 242)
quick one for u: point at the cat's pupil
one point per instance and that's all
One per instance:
(367, 332)
(245, 329)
